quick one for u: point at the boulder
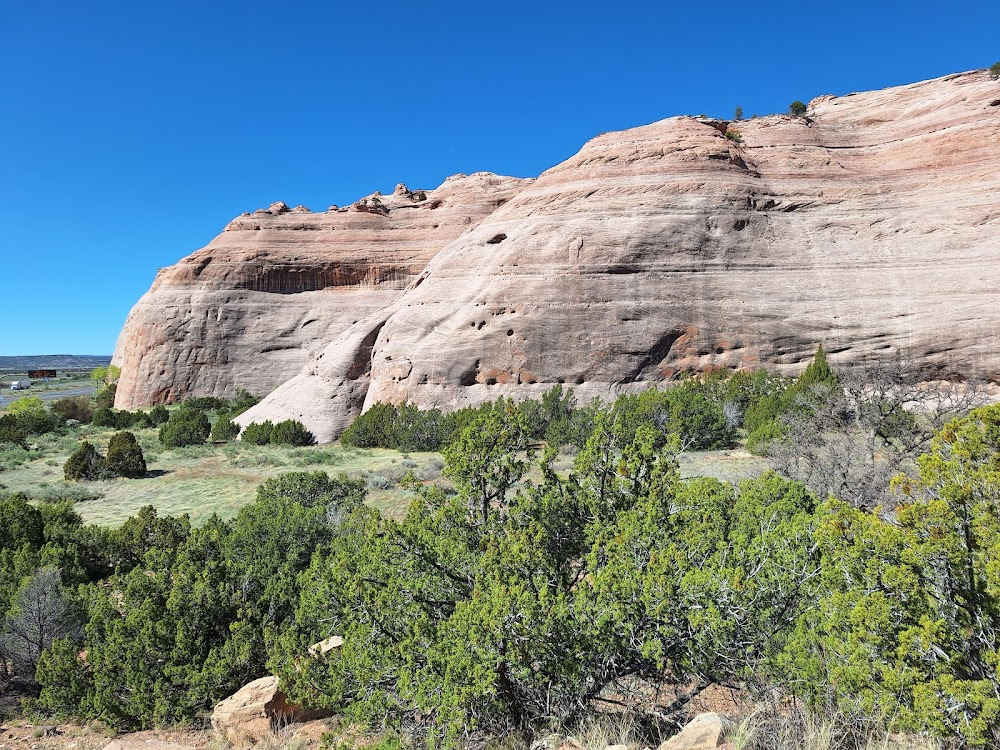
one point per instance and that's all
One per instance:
(257, 710)
(328, 644)
(703, 732)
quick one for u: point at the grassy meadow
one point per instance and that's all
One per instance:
(200, 480)
(222, 478)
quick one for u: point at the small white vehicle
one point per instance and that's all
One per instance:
(20, 385)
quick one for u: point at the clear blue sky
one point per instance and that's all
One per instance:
(131, 132)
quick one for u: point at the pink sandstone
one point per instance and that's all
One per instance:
(871, 225)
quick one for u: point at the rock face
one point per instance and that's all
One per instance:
(871, 224)
(251, 308)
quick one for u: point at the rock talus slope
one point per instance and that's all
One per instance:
(251, 308)
(871, 224)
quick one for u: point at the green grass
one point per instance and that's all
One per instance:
(725, 465)
(221, 479)
(61, 383)
(202, 480)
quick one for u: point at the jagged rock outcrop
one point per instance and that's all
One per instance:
(870, 224)
(251, 308)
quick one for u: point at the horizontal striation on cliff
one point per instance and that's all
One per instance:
(250, 309)
(870, 224)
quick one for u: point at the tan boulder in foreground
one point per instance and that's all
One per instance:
(257, 710)
(703, 732)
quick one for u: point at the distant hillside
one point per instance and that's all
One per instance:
(55, 362)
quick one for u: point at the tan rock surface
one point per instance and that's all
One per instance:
(871, 225)
(703, 732)
(251, 308)
(257, 710)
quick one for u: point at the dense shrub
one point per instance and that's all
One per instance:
(224, 429)
(404, 427)
(125, 457)
(32, 416)
(257, 433)
(686, 410)
(797, 108)
(373, 428)
(995, 71)
(78, 408)
(104, 398)
(158, 415)
(205, 403)
(21, 523)
(104, 417)
(907, 622)
(763, 437)
(243, 401)
(201, 605)
(291, 432)
(186, 427)
(84, 463)
(767, 416)
(120, 419)
(11, 431)
(521, 608)
(556, 418)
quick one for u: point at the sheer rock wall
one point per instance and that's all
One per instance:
(871, 224)
(252, 308)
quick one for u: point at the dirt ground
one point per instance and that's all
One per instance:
(23, 735)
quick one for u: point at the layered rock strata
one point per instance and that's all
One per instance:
(870, 224)
(252, 308)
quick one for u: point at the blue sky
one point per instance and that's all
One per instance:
(131, 132)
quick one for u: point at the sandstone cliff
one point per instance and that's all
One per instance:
(251, 308)
(870, 224)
